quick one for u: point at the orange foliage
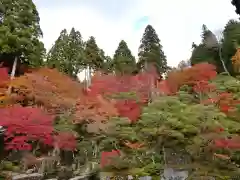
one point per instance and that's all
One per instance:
(95, 106)
(236, 57)
(236, 60)
(134, 145)
(4, 82)
(49, 88)
(94, 109)
(189, 76)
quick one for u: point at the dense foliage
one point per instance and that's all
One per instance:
(67, 53)
(20, 32)
(150, 51)
(123, 60)
(236, 3)
(128, 119)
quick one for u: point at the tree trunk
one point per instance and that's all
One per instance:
(223, 64)
(85, 77)
(89, 76)
(12, 74)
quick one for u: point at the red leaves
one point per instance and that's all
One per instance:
(4, 82)
(24, 125)
(106, 157)
(203, 87)
(91, 108)
(111, 84)
(130, 109)
(94, 108)
(227, 143)
(164, 88)
(66, 141)
(4, 75)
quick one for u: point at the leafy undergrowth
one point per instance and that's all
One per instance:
(130, 125)
(29, 114)
(200, 117)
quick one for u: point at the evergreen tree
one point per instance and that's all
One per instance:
(94, 55)
(123, 60)
(67, 54)
(207, 50)
(107, 66)
(75, 52)
(231, 41)
(20, 32)
(236, 3)
(150, 51)
(208, 38)
(56, 55)
(184, 64)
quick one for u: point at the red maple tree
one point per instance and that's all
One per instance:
(104, 86)
(106, 157)
(202, 72)
(28, 124)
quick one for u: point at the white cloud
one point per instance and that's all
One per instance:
(178, 23)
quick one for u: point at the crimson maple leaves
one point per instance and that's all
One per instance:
(99, 102)
(25, 125)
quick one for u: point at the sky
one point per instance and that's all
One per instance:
(177, 22)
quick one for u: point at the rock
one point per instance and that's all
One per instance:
(33, 176)
(30, 171)
(170, 173)
(80, 178)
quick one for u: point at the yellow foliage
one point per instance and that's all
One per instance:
(49, 88)
(236, 60)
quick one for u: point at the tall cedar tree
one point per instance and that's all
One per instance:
(56, 55)
(123, 60)
(20, 32)
(207, 50)
(107, 66)
(67, 54)
(231, 41)
(150, 51)
(94, 55)
(236, 3)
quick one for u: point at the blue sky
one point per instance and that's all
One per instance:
(177, 22)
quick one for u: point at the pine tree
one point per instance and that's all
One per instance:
(107, 64)
(231, 40)
(207, 50)
(123, 60)
(93, 54)
(75, 52)
(67, 54)
(150, 51)
(236, 3)
(208, 38)
(56, 55)
(20, 32)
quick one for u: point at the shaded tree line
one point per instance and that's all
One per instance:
(218, 48)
